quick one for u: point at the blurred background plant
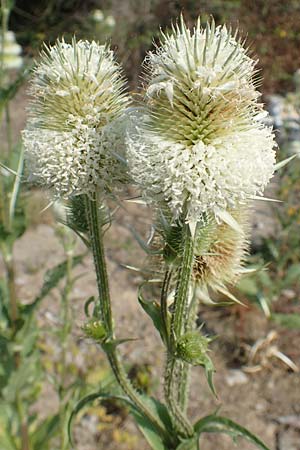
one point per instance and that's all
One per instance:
(273, 28)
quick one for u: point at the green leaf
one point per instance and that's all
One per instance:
(146, 427)
(292, 275)
(90, 398)
(150, 433)
(152, 308)
(6, 443)
(111, 344)
(89, 301)
(209, 371)
(7, 94)
(45, 431)
(52, 278)
(189, 444)
(248, 286)
(160, 410)
(287, 320)
(218, 424)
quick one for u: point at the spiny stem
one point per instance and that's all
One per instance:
(178, 324)
(93, 214)
(95, 229)
(184, 368)
(164, 302)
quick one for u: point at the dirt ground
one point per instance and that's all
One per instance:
(266, 401)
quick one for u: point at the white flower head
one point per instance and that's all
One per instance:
(200, 146)
(75, 127)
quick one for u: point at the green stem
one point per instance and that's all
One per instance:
(164, 303)
(94, 219)
(65, 316)
(184, 368)
(178, 326)
(95, 229)
(11, 287)
(25, 443)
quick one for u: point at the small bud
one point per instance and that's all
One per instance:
(192, 348)
(95, 329)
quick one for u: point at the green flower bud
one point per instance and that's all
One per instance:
(192, 348)
(95, 329)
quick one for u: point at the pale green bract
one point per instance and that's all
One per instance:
(199, 144)
(74, 135)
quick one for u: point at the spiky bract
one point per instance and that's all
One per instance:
(199, 145)
(74, 133)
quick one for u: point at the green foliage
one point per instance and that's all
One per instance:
(152, 308)
(291, 321)
(52, 278)
(147, 428)
(218, 424)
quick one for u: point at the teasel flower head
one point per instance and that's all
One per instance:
(200, 146)
(220, 253)
(74, 135)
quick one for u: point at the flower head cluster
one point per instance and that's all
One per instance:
(200, 145)
(75, 123)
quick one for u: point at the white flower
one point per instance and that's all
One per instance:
(110, 21)
(11, 51)
(199, 146)
(75, 128)
(98, 15)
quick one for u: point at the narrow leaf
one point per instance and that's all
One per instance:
(90, 398)
(45, 431)
(52, 278)
(152, 308)
(223, 425)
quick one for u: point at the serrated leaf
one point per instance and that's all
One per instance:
(219, 424)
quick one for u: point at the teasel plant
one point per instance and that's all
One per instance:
(199, 154)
